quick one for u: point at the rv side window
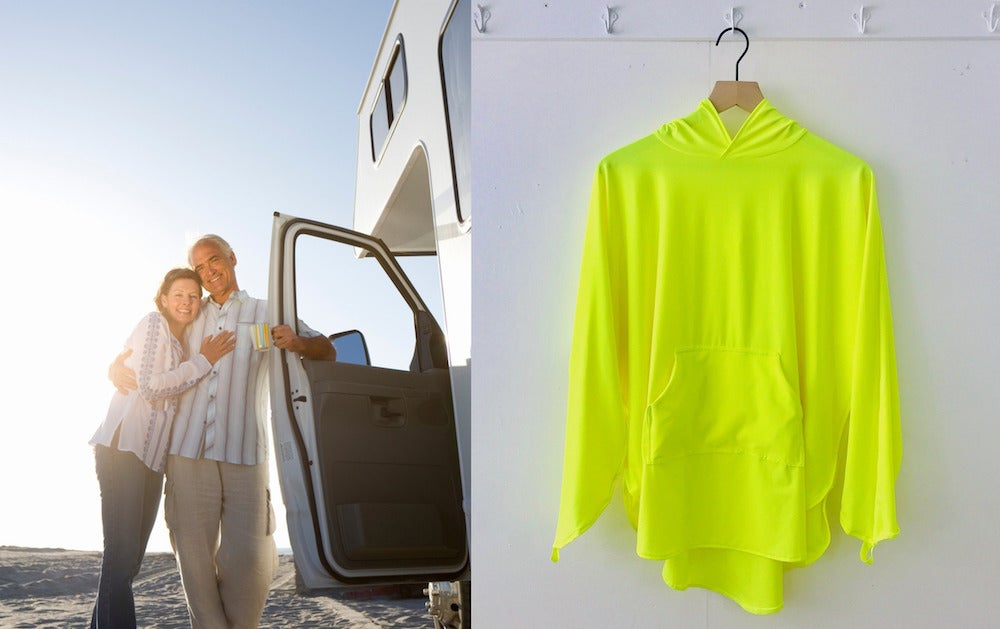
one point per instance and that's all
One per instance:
(397, 81)
(390, 100)
(454, 54)
(379, 124)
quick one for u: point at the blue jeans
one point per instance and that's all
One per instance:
(130, 498)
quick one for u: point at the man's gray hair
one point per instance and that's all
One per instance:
(218, 241)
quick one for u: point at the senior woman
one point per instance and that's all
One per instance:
(130, 446)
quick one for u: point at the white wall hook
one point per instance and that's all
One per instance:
(992, 18)
(861, 19)
(609, 19)
(482, 18)
(733, 18)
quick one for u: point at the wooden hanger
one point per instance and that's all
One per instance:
(743, 94)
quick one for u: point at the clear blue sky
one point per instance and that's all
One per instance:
(127, 129)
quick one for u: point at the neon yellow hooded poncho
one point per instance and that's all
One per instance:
(732, 347)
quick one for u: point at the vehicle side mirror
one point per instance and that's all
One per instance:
(351, 347)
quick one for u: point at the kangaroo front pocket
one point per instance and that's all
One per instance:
(726, 401)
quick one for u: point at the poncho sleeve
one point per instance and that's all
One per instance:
(597, 416)
(873, 452)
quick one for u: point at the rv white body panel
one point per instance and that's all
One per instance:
(373, 457)
(413, 182)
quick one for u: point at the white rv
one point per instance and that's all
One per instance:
(372, 449)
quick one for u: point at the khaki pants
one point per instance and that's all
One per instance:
(221, 525)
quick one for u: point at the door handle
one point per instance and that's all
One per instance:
(388, 411)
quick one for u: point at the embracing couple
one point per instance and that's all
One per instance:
(187, 405)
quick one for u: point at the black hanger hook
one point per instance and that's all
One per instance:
(745, 50)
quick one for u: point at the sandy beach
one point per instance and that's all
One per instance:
(56, 588)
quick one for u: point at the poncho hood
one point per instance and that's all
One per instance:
(765, 131)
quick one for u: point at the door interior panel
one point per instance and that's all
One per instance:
(388, 464)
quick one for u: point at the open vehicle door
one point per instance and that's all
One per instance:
(365, 445)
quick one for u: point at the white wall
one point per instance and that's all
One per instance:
(921, 103)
